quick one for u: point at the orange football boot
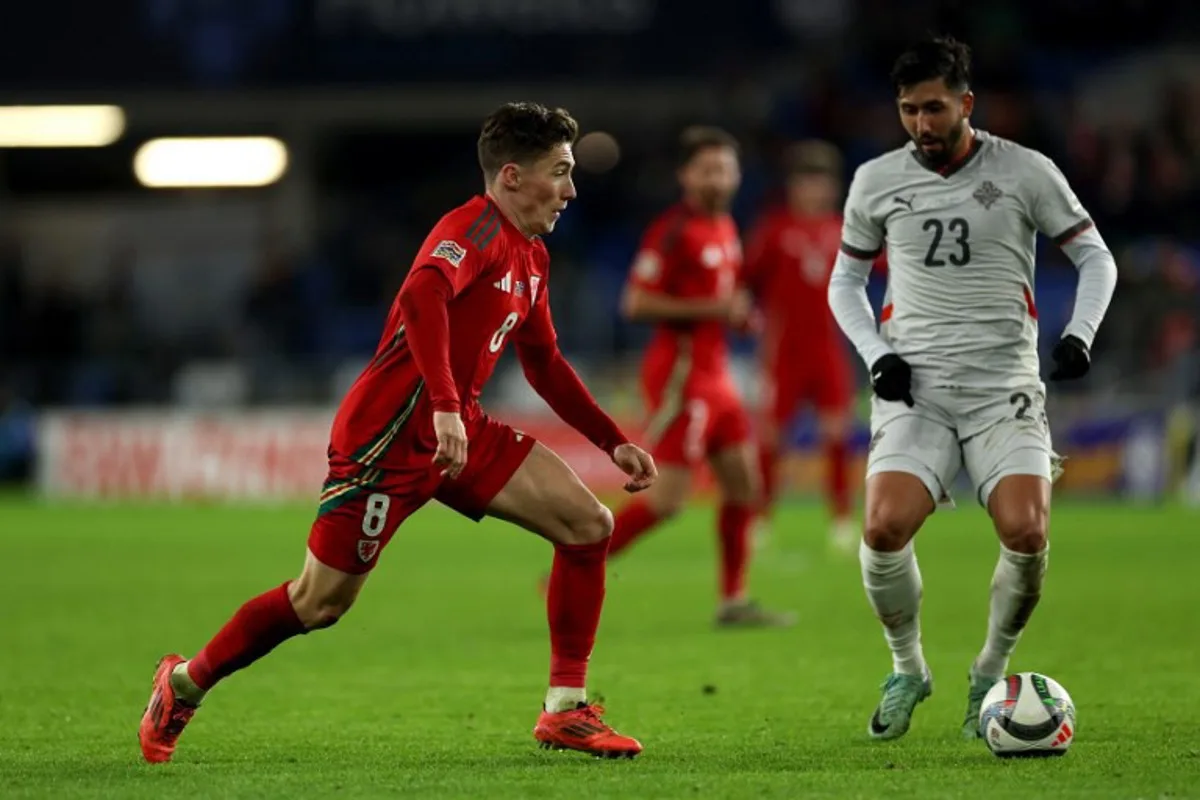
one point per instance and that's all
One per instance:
(165, 715)
(582, 729)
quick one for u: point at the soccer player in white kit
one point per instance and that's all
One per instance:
(954, 361)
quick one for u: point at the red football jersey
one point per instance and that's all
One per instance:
(789, 259)
(499, 278)
(691, 255)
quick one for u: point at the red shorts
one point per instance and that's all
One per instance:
(361, 507)
(698, 427)
(821, 380)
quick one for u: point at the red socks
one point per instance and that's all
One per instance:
(837, 478)
(573, 603)
(734, 527)
(574, 600)
(255, 630)
(631, 522)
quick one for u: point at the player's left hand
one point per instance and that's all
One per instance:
(741, 309)
(1071, 359)
(637, 464)
(754, 324)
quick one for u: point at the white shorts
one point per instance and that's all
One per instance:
(993, 434)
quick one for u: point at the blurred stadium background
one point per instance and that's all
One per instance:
(208, 332)
(169, 348)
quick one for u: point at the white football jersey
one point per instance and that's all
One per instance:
(960, 256)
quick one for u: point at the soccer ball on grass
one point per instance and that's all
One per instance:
(1027, 714)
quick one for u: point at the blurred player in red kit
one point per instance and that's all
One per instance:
(789, 257)
(685, 280)
(411, 430)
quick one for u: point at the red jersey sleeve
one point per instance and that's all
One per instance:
(759, 257)
(461, 246)
(451, 258)
(423, 300)
(654, 262)
(555, 380)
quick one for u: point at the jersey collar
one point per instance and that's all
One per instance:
(507, 224)
(954, 166)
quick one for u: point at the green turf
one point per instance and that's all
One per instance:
(430, 687)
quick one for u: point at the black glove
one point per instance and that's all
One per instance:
(891, 378)
(1071, 359)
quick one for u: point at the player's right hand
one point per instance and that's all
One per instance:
(451, 443)
(891, 378)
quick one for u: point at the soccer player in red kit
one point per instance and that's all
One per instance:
(411, 429)
(685, 280)
(789, 257)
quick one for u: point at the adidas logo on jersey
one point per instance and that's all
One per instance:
(506, 284)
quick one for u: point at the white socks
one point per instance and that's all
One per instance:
(1016, 589)
(564, 698)
(893, 584)
(185, 688)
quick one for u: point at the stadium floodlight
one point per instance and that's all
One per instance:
(60, 126)
(210, 162)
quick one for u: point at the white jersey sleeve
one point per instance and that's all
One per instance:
(862, 231)
(1058, 213)
(1053, 206)
(862, 241)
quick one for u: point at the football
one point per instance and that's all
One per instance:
(1027, 714)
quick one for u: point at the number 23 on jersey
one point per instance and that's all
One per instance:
(957, 235)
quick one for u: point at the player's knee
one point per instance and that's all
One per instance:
(322, 613)
(890, 526)
(743, 490)
(1024, 532)
(316, 607)
(1020, 509)
(738, 476)
(595, 524)
(666, 505)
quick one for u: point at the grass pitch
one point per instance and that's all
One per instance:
(431, 685)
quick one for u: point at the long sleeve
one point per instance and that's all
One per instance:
(423, 301)
(556, 382)
(852, 309)
(1097, 280)
(862, 243)
(1056, 211)
(758, 258)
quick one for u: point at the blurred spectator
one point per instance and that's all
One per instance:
(1103, 100)
(17, 427)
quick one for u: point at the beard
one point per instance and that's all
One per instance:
(949, 145)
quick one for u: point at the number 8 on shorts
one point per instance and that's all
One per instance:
(375, 515)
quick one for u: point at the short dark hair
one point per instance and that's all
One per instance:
(813, 157)
(702, 137)
(942, 57)
(522, 133)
